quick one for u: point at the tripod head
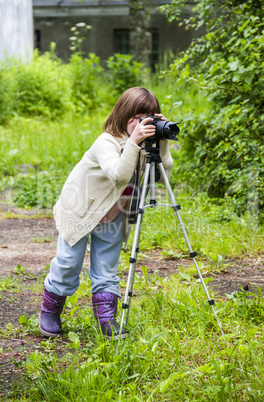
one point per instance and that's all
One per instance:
(151, 149)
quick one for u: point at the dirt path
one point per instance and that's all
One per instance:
(30, 241)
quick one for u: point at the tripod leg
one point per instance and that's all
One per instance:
(133, 258)
(152, 184)
(192, 253)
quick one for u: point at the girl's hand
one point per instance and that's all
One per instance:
(142, 131)
(161, 116)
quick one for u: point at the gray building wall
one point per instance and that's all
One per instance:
(53, 20)
(16, 28)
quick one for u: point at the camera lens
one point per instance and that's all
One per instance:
(167, 130)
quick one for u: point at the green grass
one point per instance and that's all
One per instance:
(9, 283)
(213, 230)
(45, 143)
(38, 155)
(175, 351)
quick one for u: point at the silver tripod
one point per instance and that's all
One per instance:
(153, 160)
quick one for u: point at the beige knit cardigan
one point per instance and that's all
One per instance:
(96, 183)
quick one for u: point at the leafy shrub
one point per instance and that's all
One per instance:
(222, 149)
(125, 72)
(84, 73)
(42, 87)
(7, 93)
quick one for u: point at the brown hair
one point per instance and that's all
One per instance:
(132, 102)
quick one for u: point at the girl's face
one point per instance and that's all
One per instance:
(133, 122)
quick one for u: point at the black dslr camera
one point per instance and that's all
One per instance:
(165, 130)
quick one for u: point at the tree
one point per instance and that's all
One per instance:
(140, 37)
(223, 149)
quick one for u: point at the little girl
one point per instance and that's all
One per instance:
(93, 203)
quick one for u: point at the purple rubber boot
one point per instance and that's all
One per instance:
(51, 309)
(105, 309)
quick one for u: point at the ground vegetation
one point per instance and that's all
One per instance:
(51, 113)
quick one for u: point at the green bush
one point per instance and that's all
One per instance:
(84, 74)
(125, 72)
(7, 93)
(43, 87)
(46, 87)
(222, 149)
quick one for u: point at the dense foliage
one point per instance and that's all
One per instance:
(46, 87)
(222, 149)
(125, 72)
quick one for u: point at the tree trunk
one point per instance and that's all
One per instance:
(140, 37)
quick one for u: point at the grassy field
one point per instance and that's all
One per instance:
(175, 351)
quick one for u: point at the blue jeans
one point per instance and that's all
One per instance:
(105, 248)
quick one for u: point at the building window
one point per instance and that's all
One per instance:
(154, 57)
(38, 39)
(121, 41)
